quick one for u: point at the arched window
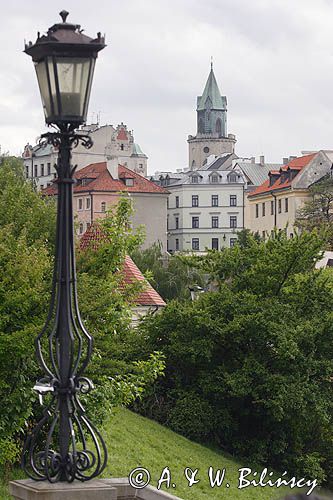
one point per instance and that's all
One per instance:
(232, 178)
(201, 127)
(81, 228)
(218, 127)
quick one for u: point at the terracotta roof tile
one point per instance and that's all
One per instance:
(295, 164)
(102, 181)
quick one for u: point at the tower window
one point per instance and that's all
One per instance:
(218, 127)
(122, 147)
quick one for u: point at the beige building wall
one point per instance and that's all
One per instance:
(260, 219)
(150, 210)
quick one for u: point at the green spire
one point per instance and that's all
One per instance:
(211, 95)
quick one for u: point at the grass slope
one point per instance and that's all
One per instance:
(134, 441)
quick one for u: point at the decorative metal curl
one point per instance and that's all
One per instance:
(64, 445)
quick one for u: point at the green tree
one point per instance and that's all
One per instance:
(171, 276)
(317, 212)
(255, 356)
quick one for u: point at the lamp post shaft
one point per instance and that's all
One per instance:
(64, 241)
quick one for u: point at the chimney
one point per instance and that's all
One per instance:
(262, 160)
(285, 161)
(253, 159)
(112, 166)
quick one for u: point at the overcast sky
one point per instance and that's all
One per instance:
(273, 59)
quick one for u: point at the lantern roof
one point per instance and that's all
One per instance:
(64, 39)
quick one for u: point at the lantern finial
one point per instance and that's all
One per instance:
(63, 14)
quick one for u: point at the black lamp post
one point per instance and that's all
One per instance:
(64, 445)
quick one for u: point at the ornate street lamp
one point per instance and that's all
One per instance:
(64, 445)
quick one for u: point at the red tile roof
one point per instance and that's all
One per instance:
(131, 273)
(295, 164)
(122, 136)
(149, 296)
(102, 180)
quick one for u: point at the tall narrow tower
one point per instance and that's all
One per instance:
(212, 137)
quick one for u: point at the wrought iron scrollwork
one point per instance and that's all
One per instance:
(64, 445)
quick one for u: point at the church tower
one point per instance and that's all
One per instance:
(212, 137)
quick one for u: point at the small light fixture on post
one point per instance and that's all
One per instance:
(64, 445)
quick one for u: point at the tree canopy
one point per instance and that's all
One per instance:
(249, 366)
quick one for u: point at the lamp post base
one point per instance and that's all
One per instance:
(96, 489)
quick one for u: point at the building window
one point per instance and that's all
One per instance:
(215, 221)
(49, 169)
(257, 210)
(232, 178)
(279, 206)
(80, 202)
(232, 242)
(27, 171)
(233, 200)
(195, 243)
(263, 235)
(88, 225)
(55, 175)
(214, 179)
(129, 182)
(195, 200)
(195, 222)
(206, 149)
(291, 235)
(263, 208)
(286, 207)
(103, 206)
(42, 186)
(81, 228)
(177, 244)
(215, 200)
(272, 207)
(177, 222)
(215, 243)
(177, 201)
(122, 147)
(42, 169)
(194, 179)
(233, 221)
(88, 203)
(36, 171)
(140, 166)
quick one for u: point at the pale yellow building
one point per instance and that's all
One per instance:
(274, 204)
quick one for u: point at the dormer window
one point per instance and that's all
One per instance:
(232, 178)
(129, 182)
(194, 179)
(214, 179)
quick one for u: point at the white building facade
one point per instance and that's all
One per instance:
(205, 210)
(109, 142)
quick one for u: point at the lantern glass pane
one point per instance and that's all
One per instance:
(73, 79)
(41, 71)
